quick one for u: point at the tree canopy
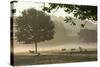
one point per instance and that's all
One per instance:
(34, 26)
(79, 11)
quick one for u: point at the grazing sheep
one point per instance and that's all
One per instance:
(38, 54)
(85, 50)
(63, 49)
(30, 51)
(80, 49)
(73, 49)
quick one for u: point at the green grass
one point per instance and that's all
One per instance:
(29, 59)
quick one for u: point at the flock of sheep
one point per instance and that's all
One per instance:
(72, 50)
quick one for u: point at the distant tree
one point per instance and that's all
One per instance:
(79, 11)
(34, 26)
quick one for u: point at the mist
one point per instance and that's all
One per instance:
(66, 36)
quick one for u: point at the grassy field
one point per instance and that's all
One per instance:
(59, 57)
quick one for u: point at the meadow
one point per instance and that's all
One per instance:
(26, 58)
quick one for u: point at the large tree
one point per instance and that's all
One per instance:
(34, 26)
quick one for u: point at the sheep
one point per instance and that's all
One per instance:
(63, 49)
(30, 51)
(73, 49)
(80, 49)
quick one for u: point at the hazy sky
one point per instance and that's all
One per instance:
(20, 6)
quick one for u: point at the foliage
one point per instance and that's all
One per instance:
(34, 26)
(79, 11)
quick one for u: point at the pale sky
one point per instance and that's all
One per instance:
(20, 6)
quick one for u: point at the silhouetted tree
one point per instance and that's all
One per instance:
(79, 11)
(34, 26)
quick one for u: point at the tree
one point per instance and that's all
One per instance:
(79, 11)
(34, 26)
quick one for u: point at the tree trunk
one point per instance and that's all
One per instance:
(35, 47)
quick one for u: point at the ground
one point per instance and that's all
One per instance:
(27, 58)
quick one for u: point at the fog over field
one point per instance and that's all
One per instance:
(66, 36)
